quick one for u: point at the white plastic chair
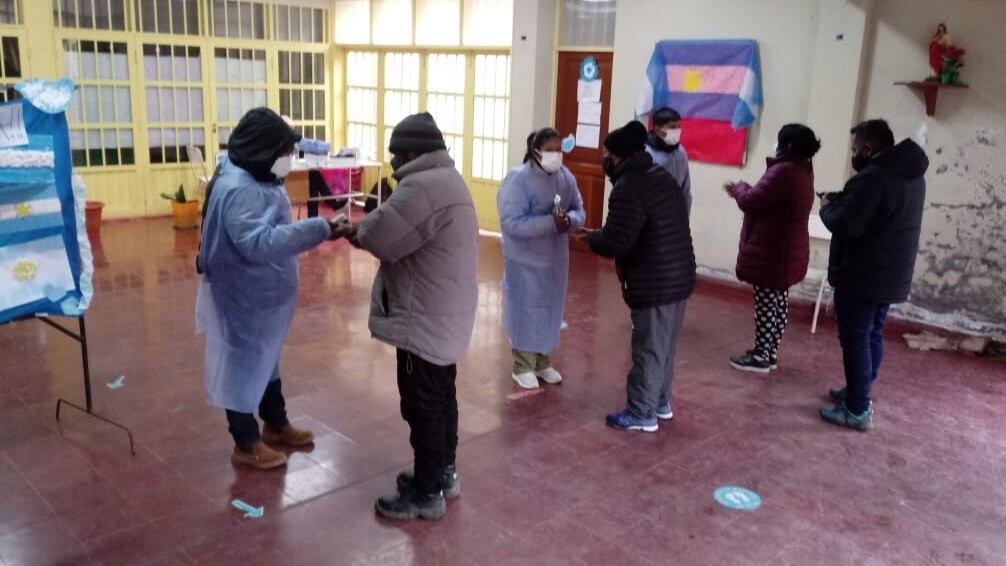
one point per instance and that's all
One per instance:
(817, 231)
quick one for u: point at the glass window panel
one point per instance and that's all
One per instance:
(319, 69)
(392, 23)
(222, 108)
(180, 63)
(587, 23)
(104, 60)
(120, 61)
(247, 66)
(319, 25)
(88, 61)
(163, 16)
(352, 21)
(246, 20)
(236, 111)
(296, 108)
(284, 102)
(71, 58)
(181, 97)
(192, 17)
(92, 113)
(195, 65)
(184, 137)
(107, 103)
(219, 18)
(308, 68)
(259, 24)
(101, 16)
(308, 105)
(233, 15)
(282, 23)
(438, 22)
(118, 15)
(94, 139)
(198, 137)
(11, 57)
(123, 106)
(233, 66)
(147, 16)
(225, 136)
(319, 105)
(295, 69)
(306, 27)
(177, 16)
(150, 62)
(294, 24)
(153, 105)
(488, 22)
(220, 64)
(167, 104)
(69, 11)
(258, 98)
(164, 62)
(258, 67)
(196, 104)
(284, 67)
(247, 100)
(111, 148)
(85, 15)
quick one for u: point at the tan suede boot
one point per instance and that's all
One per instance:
(261, 457)
(289, 436)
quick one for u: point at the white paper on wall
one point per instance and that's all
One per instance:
(588, 91)
(589, 113)
(588, 136)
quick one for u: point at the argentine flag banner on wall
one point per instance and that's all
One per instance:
(45, 265)
(716, 87)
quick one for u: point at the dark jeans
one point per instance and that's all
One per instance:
(272, 409)
(430, 406)
(861, 333)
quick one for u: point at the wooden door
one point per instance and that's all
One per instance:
(584, 163)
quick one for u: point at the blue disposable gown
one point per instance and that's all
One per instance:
(536, 254)
(249, 286)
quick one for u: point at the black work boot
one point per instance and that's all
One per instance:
(412, 505)
(450, 482)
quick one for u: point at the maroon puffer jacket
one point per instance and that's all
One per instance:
(775, 247)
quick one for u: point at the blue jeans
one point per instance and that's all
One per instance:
(861, 333)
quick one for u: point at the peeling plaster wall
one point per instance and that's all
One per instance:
(960, 278)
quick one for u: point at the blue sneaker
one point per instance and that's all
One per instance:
(625, 420)
(665, 412)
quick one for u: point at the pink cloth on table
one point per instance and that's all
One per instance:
(337, 180)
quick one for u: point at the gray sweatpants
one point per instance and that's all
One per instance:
(654, 341)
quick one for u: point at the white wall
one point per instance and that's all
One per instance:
(531, 71)
(960, 277)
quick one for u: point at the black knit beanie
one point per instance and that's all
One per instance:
(628, 140)
(417, 134)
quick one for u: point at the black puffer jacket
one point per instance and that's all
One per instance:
(875, 223)
(648, 235)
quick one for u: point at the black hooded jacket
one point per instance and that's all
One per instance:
(648, 235)
(875, 224)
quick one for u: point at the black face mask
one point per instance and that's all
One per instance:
(397, 162)
(860, 161)
(608, 166)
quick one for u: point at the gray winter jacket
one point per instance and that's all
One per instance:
(426, 236)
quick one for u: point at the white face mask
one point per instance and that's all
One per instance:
(282, 167)
(673, 137)
(551, 161)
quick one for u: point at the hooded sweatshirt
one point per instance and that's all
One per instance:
(875, 224)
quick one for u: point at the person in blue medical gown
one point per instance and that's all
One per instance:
(248, 262)
(539, 204)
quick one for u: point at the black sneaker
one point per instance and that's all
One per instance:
(751, 362)
(840, 415)
(411, 505)
(450, 482)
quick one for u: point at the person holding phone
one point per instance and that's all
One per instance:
(774, 249)
(539, 204)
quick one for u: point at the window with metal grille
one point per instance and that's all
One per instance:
(445, 100)
(302, 91)
(10, 67)
(361, 102)
(492, 113)
(240, 81)
(306, 25)
(10, 12)
(401, 92)
(173, 81)
(100, 116)
(238, 19)
(179, 17)
(90, 14)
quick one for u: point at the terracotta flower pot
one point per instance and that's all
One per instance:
(186, 214)
(92, 218)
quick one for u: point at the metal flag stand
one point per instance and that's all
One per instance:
(88, 408)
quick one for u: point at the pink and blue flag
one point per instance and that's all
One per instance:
(716, 87)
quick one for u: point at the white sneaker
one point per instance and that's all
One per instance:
(526, 380)
(550, 376)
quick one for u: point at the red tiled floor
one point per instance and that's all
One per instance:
(545, 482)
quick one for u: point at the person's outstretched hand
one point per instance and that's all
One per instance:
(341, 229)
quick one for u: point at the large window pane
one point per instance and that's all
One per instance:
(488, 23)
(392, 23)
(438, 22)
(587, 23)
(352, 21)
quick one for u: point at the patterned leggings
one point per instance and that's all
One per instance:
(771, 312)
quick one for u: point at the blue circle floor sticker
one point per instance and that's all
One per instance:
(733, 497)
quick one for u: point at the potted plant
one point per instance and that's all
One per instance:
(953, 60)
(184, 211)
